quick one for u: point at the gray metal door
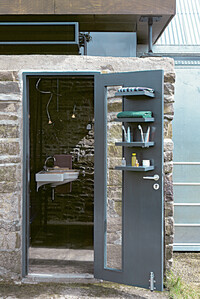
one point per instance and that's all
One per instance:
(128, 243)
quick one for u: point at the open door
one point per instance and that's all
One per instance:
(136, 256)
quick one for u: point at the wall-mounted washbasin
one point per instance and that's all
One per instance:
(56, 176)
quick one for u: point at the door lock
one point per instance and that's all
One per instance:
(155, 177)
(156, 186)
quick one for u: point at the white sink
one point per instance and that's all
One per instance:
(56, 176)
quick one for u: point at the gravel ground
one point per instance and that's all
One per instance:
(186, 266)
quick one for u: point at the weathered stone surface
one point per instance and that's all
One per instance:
(169, 239)
(169, 252)
(114, 151)
(169, 209)
(169, 226)
(114, 256)
(10, 226)
(168, 156)
(168, 145)
(7, 187)
(167, 129)
(168, 98)
(11, 261)
(8, 117)
(7, 87)
(9, 131)
(114, 132)
(169, 77)
(75, 63)
(169, 89)
(9, 107)
(114, 178)
(9, 148)
(118, 207)
(115, 107)
(111, 90)
(168, 187)
(9, 173)
(9, 240)
(8, 76)
(9, 206)
(112, 162)
(169, 108)
(114, 193)
(168, 167)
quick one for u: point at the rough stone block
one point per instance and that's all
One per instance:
(9, 206)
(7, 187)
(169, 209)
(169, 226)
(114, 151)
(115, 107)
(114, 178)
(114, 132)
(8, 76)
(112, 162)
(114, 193)
(169, 108)
(9, 107)
(168, 156)
(9, 148)
(168, 98)
(118, 207)
(167, 129)
(9, 173)
(168, 167)
(10, 261)
(168, 145)
(169, 77)
(9, 240)
(169, 89)
(168, 188)
(168, 252)
(7, 87)
(9, 131)
(114, 256)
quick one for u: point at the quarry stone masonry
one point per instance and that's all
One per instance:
(11, 147)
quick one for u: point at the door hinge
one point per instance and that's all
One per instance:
(151, 282)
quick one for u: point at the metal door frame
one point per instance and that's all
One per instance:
(26, 154)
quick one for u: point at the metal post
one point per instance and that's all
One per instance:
(85, 45)
(150, 26)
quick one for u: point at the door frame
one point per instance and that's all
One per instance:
(26, 154)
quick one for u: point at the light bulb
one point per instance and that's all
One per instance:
(73, 115)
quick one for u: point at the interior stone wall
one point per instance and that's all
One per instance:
(11, 141)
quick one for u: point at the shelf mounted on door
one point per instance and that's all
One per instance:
(133, 168)
(135, 144)
(135, 93)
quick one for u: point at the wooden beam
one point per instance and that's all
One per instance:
(95, 7)
(134, 7)
(21, 7)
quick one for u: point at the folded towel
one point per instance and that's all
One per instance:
(129, 89)
(134, 114)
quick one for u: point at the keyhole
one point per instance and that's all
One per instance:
(156, 186)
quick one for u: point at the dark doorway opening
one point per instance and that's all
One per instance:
(61, 217)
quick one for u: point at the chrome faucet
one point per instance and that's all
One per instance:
(45, 163)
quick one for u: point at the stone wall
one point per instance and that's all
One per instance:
(11, 142)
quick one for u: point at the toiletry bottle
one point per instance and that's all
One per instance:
(123, 161)
(133, 159)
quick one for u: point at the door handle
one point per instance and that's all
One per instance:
(155, 177)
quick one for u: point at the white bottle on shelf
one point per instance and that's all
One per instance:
(123, 161)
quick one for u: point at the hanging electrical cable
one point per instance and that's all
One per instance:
(49, 101)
